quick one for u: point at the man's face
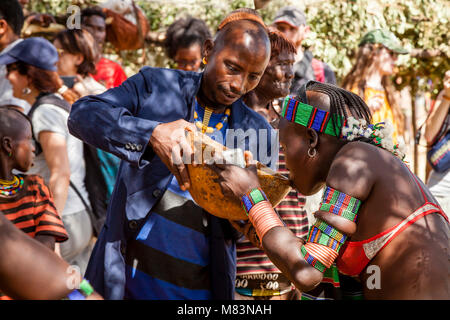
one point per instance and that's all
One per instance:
(97, 27)
(277, 78)
(234, 67)
(295, 34)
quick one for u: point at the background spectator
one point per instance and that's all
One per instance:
(437, 126)
(78, 55)
(31, 66)
(292, 22)
(25, 200)
(370, 77)
(11, 22)
(184, 43)
(109, 73)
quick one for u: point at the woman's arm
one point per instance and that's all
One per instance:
(439, 113)
(55, 152)
(282, 247)
(29, 270)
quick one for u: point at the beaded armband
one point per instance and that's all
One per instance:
(339, 203)
(251, 198)
(324, 241)
(260, 212)
(82, 293)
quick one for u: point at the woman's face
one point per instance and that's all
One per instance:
(385, 61)
(295, 150)
(68, 63)
(23, 150)
(190, 58)
(19, 82)
(304, 171)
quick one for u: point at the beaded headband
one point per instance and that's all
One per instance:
(309, 116)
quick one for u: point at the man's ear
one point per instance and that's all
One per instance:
(80, 59)
(6, 144)
(208, 47)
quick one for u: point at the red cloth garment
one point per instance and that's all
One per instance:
(109, 73)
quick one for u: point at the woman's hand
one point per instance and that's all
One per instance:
(235, 181)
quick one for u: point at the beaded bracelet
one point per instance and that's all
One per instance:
(324, 241)
(260, 212)
(82, 293)
(251, 198)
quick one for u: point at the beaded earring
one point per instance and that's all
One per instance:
(204, 61)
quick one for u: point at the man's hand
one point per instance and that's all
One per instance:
(169, 142)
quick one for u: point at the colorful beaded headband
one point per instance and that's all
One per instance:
(310, 117)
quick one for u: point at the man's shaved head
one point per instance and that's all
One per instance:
(246, 33)
(236, 59)
(12, 122)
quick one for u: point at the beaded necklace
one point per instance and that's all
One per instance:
(10, 188)
(203, 125)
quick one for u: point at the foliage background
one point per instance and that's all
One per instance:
(336, 28)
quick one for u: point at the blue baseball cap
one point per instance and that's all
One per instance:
(36, 51)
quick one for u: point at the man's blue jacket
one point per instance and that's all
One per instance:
(121, 121)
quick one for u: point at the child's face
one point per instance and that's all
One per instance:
(23, 150)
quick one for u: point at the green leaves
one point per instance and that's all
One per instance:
(337, 26)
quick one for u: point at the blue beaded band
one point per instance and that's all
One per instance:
(251, 198)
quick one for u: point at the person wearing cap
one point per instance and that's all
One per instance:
(291, 21)
(31, 69)
(370, 77)
(11, 22)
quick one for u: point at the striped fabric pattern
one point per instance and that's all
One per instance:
(340, 204)
(32, 210)
(169, 259)
(310, 117)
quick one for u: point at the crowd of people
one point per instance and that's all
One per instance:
(89, 170)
